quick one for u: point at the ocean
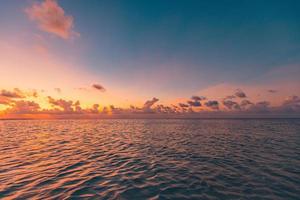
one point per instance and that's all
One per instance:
(150, 159)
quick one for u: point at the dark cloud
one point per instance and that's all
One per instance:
(212, 104)
(198, 98)
(231, 105)
(239, 93)
(183, 105)
(16, 93)
(148, 104)
(261, 106)
(165, 109)
(194, 103)
(272, 91)
(98, 87)
(263, 103)
(116, 110)
(245, 103)
(15, 105)
(134, 109)
(292, 103)
(230, 97)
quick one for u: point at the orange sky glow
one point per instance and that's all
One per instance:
(44, 75)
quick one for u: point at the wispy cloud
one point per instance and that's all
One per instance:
(51, 18)
(272, 91)
(58, 90)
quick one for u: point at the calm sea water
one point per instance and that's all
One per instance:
(150, 159)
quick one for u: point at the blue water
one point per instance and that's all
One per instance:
(150, 159)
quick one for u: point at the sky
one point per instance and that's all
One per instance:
(62, 58)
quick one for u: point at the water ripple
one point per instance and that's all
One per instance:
(150, 159)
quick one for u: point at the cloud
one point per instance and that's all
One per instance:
(51, 18)
(183, 105)
(194, 103)
(198, 98)
(263, 103)
(4, 100)
(34, 93)
(105, 110)
(81, 89)
(239, 93)
(15, 102)
(272, 91)
(230, 97)
(261, 106)
(148, 104)
(231, 105)
(77, 106)
(95, 108)
(8, 97)
(291, 103)
(165, 109)
(61, 103)
(245, 103)
(115, 110)
(16, 93)
(98, 87)
(24, 107)
(58, 90)
(212, 104)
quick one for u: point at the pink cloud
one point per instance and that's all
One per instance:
(51, 18)
(4, 100)
(67, 106)
(25, 107)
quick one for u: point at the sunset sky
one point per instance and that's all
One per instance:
(92, 58)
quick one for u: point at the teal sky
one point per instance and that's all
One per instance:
(193, 43)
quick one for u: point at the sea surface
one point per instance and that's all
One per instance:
(150, 159)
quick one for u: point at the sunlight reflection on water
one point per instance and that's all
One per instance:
(155, 159)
